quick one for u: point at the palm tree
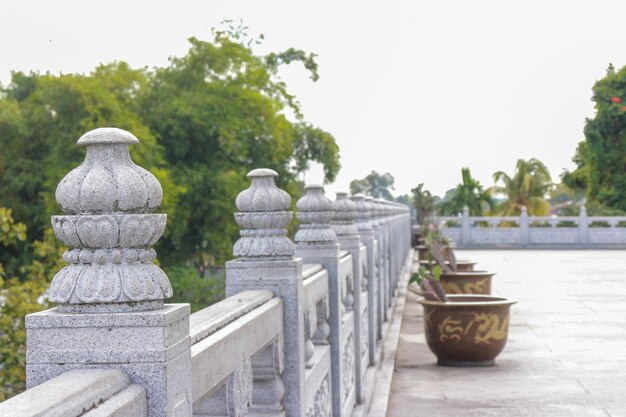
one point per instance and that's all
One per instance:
(469, 193)
(527, 187)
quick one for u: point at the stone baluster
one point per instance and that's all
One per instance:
(384, 254)
(110, 297)
(268, 388)
(316, 243)
(368, 237)
(265, 260)
(349, 240)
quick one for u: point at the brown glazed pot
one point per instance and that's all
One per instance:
(468, 330)
(422, 252)
(462, 265)
(467, 282)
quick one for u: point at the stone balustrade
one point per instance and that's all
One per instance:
(300, 332)
(525, 231)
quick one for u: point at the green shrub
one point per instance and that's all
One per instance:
(191, 287)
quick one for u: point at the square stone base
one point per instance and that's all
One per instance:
(152, 347)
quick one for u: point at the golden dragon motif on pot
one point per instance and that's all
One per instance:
(490, 327)
(478, 287)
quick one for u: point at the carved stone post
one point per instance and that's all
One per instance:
(110, 310)
(465, 228)
(384, 225)
(524, 227)
(349, 240)
(583, 227)
(316, 243)
(392, 247)
(368, 237)
(265, 260)
(377, 274)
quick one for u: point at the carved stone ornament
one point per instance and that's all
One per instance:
(321, 406)
(263, 217)
(364, 332)
(345, 211)
(381, 215)
(314, 211)
(109, 229)
(363, 213)
(347, 373)
(373, 211)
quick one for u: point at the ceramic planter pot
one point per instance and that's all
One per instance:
(422, 252)
(468, 330)
(462, 265)
(467, 282)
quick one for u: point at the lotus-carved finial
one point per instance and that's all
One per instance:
(315, 212)
(109, 229)
(345, 211)
(263, 217)
(363, 212)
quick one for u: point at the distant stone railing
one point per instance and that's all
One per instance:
(524, 231)
(300, 334)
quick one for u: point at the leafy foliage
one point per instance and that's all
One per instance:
(528, 187)
(601, 157)
(469, 193)
(424, 203)
(218, 112)
(203, 121)
(374, 184)
(21, 295)
(429, 283)
(191, 287)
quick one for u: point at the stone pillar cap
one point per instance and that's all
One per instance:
(264, 213)
(109, 230)
(314, 212)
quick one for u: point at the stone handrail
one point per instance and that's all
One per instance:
(226, 364)
(527, 231)
(81, 392)
(299, 334)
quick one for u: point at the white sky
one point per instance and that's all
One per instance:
(415, 88)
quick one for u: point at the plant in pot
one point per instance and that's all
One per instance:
(462, 330)
(457, 276)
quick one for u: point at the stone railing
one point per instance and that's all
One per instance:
(300, 334)
(526, 231)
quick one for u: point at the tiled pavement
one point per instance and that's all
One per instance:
(566, 352)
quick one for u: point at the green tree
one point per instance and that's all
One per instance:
(203, 122)
(424, 203)
(21, 295)
(374, 184)
(469, 193)
(44, 115)
(528, 187)
(220, 111)
(601, 157)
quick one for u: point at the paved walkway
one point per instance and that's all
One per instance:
(566, 353)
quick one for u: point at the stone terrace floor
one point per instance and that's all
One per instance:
(566, 352)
